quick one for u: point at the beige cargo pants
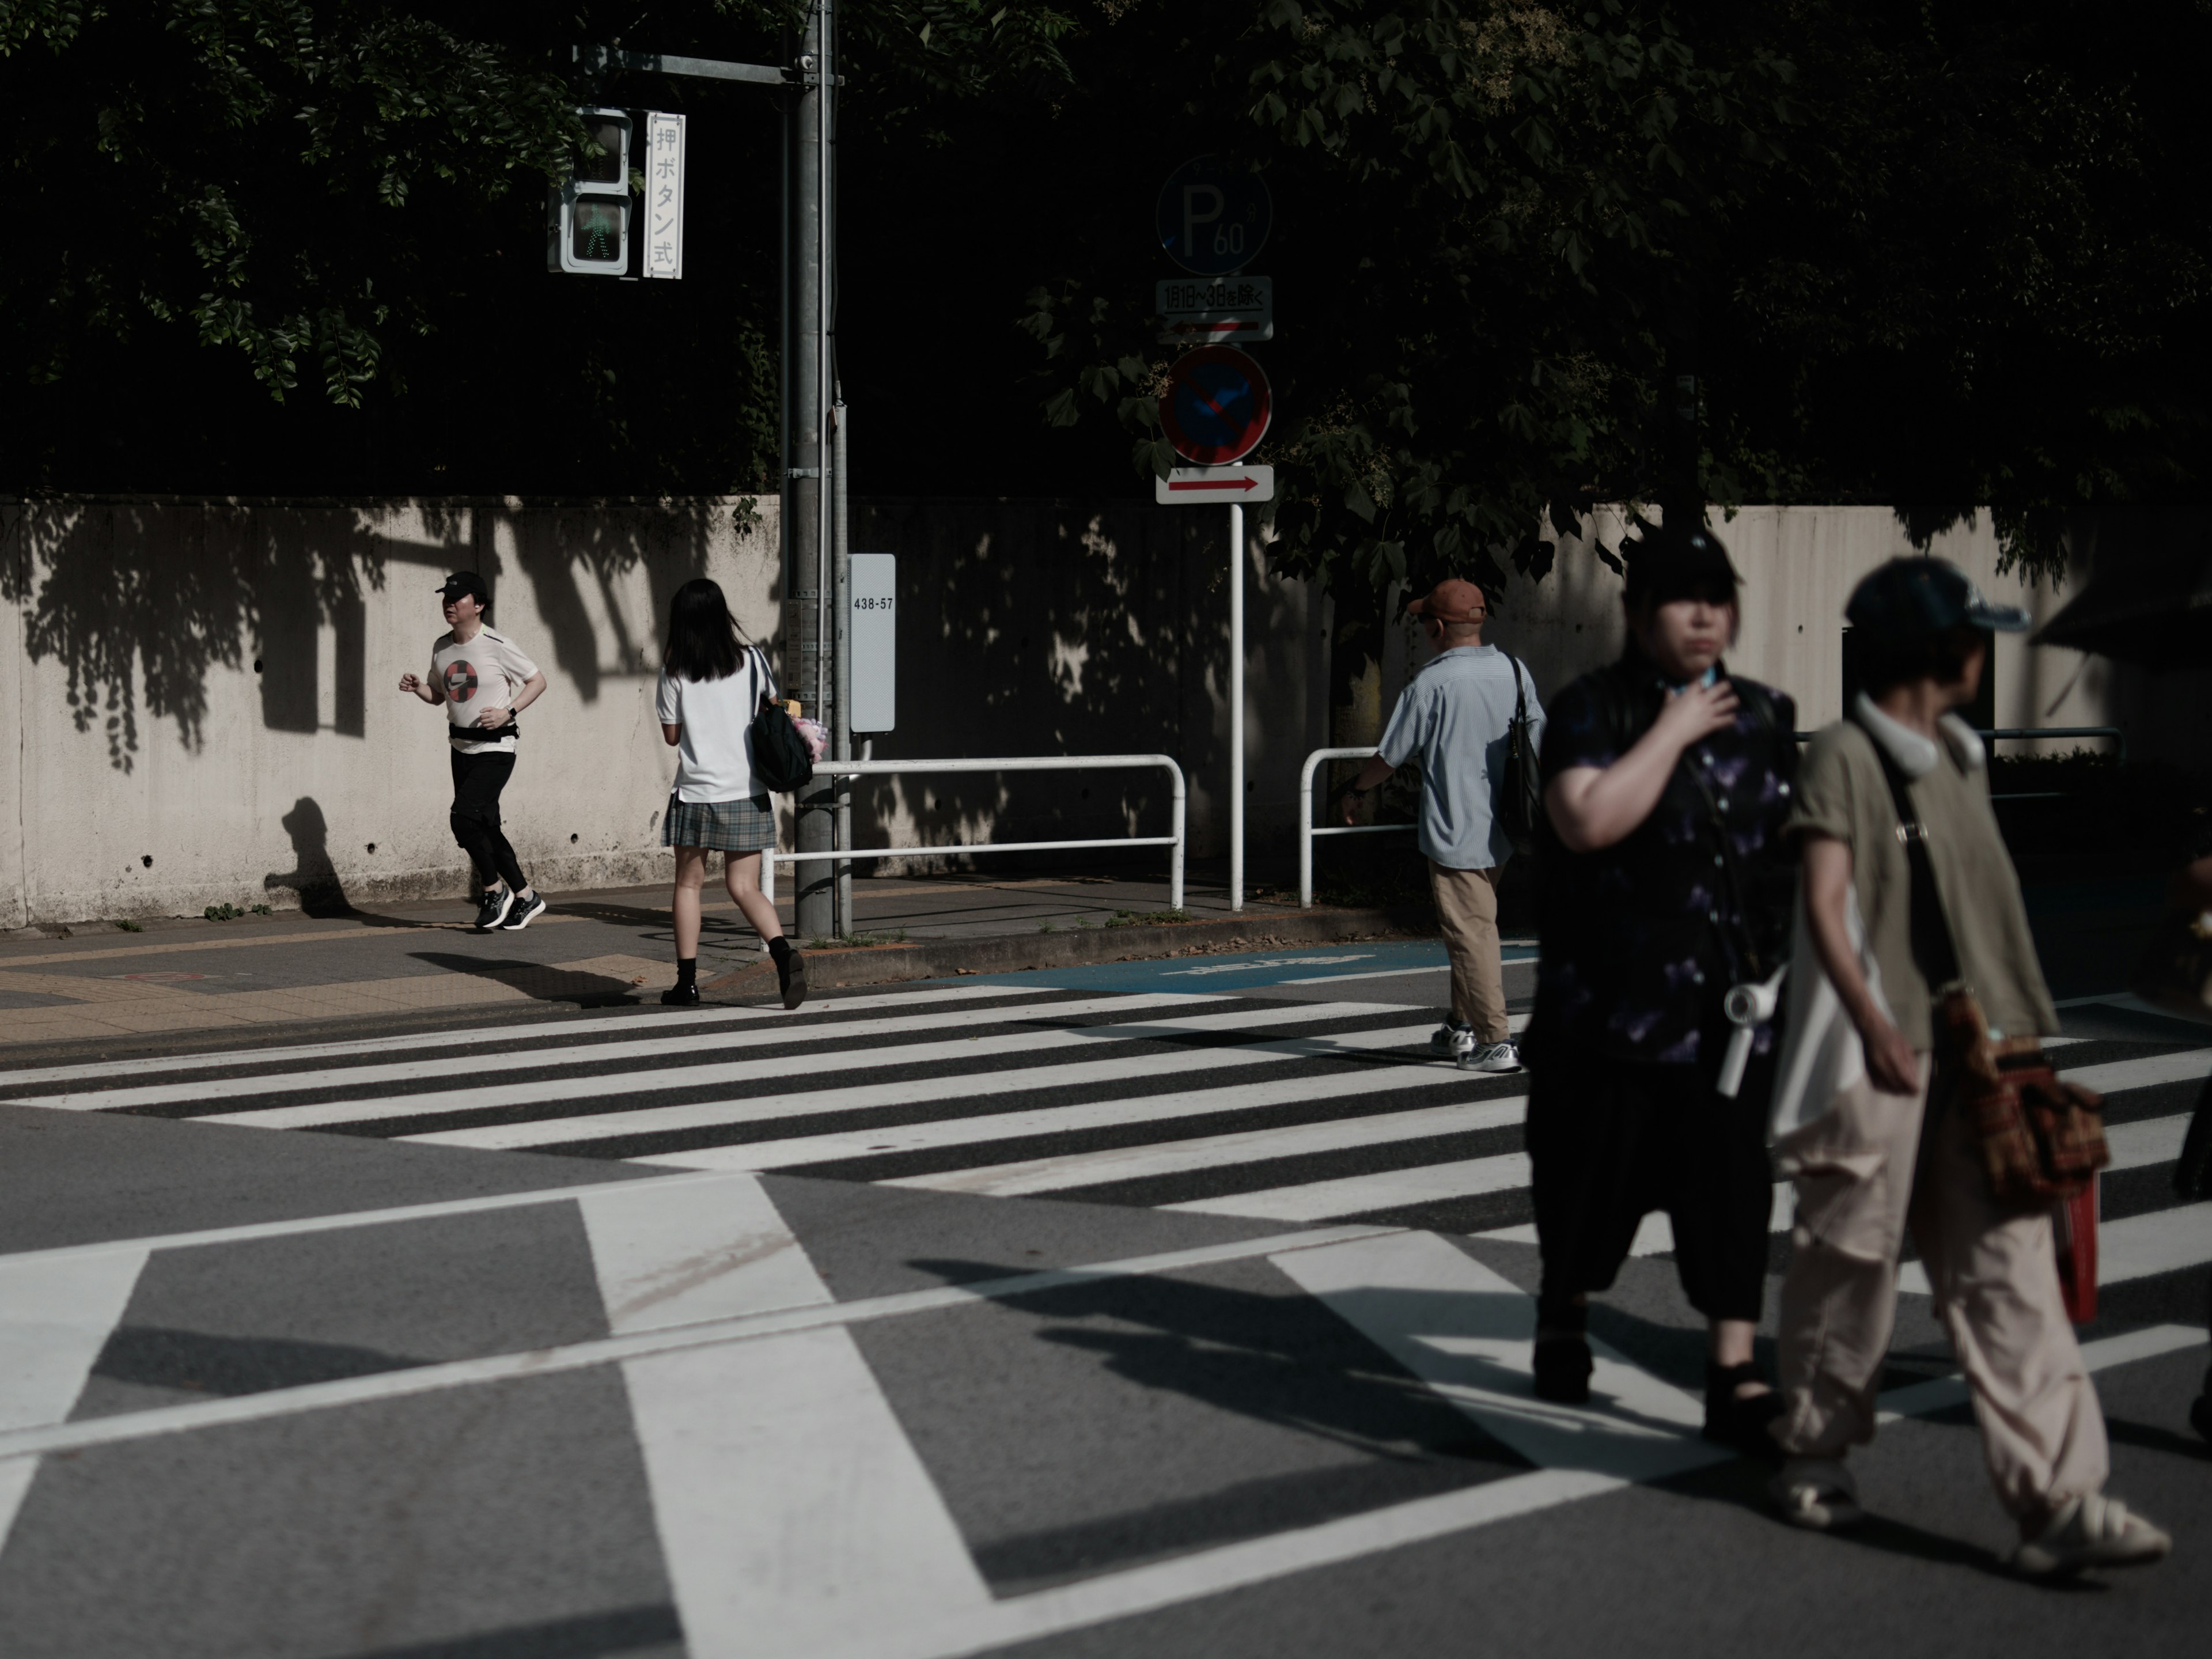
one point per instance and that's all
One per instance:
(1994, 1277)
(1467, 908)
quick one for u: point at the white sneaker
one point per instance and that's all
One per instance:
(1817, 1493)
(1492, 1057)
(2094, 1531)
(1452, 1039)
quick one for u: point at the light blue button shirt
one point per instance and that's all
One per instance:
(1453, 718)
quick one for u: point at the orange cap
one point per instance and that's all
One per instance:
(1451, 600)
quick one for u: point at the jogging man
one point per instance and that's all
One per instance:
(1455, 715)
(484, 682)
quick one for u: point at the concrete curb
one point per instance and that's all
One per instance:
(950, 958)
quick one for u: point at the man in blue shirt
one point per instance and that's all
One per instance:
(1455, 716)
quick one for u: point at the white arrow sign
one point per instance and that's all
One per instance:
(1212, 486)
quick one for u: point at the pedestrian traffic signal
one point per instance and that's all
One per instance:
(587, 219)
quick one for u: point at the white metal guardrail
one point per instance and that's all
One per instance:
(1308, 830)
(2028, 733)
(773, 856)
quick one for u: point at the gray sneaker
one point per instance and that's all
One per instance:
(492, 911)
(1492, 1057)
(2091, 1531)
(1451, 1040)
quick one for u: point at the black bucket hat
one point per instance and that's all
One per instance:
(1665, 566)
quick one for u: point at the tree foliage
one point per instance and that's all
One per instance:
(1906, 254)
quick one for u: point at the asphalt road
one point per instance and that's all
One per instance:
(1160, 1309)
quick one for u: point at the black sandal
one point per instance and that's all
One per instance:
(1739, 1420)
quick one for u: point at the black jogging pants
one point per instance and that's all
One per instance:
(478, 780)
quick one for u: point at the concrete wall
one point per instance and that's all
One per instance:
(200, 702)
(1799, 565)
(202, 695)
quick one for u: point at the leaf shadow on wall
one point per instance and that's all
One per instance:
(1069, 628)
(143, 603)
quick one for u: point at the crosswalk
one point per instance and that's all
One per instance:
(1290, 1112)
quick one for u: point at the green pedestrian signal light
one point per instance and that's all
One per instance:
(597, 231)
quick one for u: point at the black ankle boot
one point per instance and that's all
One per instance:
(685, 994)
(1736, 1420)
(1562, 1367)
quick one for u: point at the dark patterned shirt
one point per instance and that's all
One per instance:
(1641, 939)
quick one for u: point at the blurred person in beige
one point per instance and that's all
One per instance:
(1454, 717)
(1871, 1152)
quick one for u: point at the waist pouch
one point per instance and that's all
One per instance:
(477, 734)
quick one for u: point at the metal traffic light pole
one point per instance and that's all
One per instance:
(809, 577)
(815, 557)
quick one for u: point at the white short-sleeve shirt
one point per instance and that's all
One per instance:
(714, 746)
(477, 674)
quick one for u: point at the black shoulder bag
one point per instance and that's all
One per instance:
(1521, 788)
(781, 758)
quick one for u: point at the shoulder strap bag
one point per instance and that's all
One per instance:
(1521, 788)
(781, 758)
(2042, 1141)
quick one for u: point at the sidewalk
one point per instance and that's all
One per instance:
(425, 960)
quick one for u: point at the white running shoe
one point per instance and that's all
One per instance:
(2092, 1531)
(1492, 1057)
(1452, 1039)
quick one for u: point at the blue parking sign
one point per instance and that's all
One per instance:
(1213, 219)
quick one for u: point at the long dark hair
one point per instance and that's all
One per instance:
(704, 643)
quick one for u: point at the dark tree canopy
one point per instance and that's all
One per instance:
(1941, 256)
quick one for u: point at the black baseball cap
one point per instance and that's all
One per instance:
(1912, 598)
(1664, 566)
(465, 582)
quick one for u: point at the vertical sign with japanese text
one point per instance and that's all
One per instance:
(664, 195)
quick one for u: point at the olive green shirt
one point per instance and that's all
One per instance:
(1841, 792)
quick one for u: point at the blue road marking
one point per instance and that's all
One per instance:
(1243, 970)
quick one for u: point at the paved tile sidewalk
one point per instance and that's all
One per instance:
(190, 974)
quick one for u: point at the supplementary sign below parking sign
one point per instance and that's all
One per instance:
(1204, 486)
(1213, 220)
(1198, 311)
(1217, 406)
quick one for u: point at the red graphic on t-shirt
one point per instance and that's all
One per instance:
(461, 681)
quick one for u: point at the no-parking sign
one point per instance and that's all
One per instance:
(1217, 405)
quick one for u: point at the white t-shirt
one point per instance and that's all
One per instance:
(477, 674)
(714, 750)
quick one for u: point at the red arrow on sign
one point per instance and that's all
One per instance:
(1245, 482)
(1194, 486)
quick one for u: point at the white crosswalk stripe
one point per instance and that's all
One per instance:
(1291, 1112)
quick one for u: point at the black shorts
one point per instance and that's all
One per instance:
(1612, 1140)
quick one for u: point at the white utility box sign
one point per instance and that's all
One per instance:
(874, 625)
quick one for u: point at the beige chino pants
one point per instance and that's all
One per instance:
(1995, 1276)
(1466, 907)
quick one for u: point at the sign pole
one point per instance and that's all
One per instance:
(1236, 707)
(807, 363)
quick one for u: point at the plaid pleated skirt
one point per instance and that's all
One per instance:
(727, 826)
